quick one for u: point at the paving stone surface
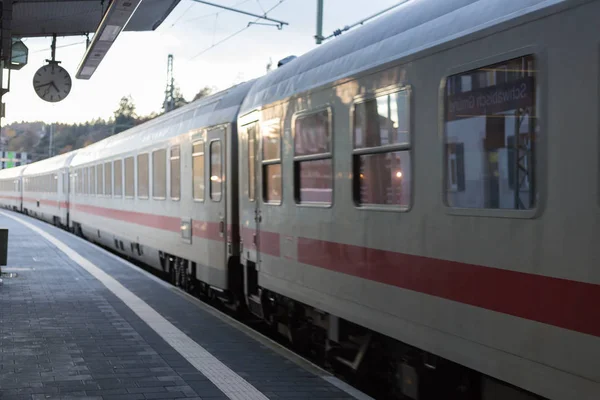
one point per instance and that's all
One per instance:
(63, 334)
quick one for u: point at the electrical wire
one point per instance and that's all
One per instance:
(236, 33)
(58, 47)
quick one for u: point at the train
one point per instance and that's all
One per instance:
(419, 198)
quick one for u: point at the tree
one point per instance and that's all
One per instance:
(178, 98)
(205, 91)
(125, 116)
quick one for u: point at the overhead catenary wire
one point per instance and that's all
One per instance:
(237, 32)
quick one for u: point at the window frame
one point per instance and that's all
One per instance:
(134, 183)
(137, 175)
(194, 142)
(171, 159)
(296, 160)
(540, 59)
(355, 187)
(210, 165)
(151, 177)
(265, 163)
(112, 178)
(114, 162)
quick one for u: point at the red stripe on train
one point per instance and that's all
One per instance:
(172, 224)
(559, 302)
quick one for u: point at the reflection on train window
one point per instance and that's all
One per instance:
(271, 161)
(198, 170)
(313, 164)
(99, 179)
(216, 170)
(272, 179)
(108, 179)
(251, 162)
(129, 177)
(490, 135)
(142, 176)
(382, 154)
(175, 173)
(118, 170)
(92, 180)
(159, 174)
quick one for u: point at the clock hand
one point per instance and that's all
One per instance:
(55, 88)
(42, 85)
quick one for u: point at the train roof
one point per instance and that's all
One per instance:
(14, 172)
(219, 108)
(49, 164)
(415, 26)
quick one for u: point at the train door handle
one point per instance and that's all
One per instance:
(221, 227)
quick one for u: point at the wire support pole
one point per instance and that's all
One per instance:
(264, 16)
(319, 35)
(338, 32)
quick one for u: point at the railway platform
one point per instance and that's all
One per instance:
(79, 322)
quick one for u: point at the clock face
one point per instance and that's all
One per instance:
(52, 83)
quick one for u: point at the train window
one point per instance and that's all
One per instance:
(108, 178)
(216, 170)
(271, 162)
(490, 126)
(92, 176)
(142, 176)
(118, 171)
(198, 170)
(382, 154)
(99, 179)
(175, 173)
(159, 174)
(313, 164)
(251, 162)
(129, 177)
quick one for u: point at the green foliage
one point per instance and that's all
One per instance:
(34, 137)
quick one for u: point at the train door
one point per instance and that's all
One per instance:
(217, 202)
(64, 194)
(251, 215)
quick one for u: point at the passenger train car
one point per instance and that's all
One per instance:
(11, 194)
(45, 189)
(418, 198)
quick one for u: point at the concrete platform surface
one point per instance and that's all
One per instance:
(78, 322)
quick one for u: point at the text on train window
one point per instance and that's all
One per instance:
(271, 162)
(251, 162)
(490, 134)
(129, 177)
(108, 179)
(175, 173)
(159, 174)
(99, 179)
(313, 164)
(382, 150)
(118, 170)
(216, 170)
(198, 170)
(142, 176)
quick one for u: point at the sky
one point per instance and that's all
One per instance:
(136, 64)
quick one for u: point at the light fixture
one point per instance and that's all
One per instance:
(19, 54)
(115, 19)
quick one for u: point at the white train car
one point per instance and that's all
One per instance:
(46, 189)
(11, 195)
(453, 146)
(165, 192)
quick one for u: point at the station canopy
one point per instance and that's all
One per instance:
(105, 18)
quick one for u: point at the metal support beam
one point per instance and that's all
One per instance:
(280, 23)
(7, 8)
(319, 35)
